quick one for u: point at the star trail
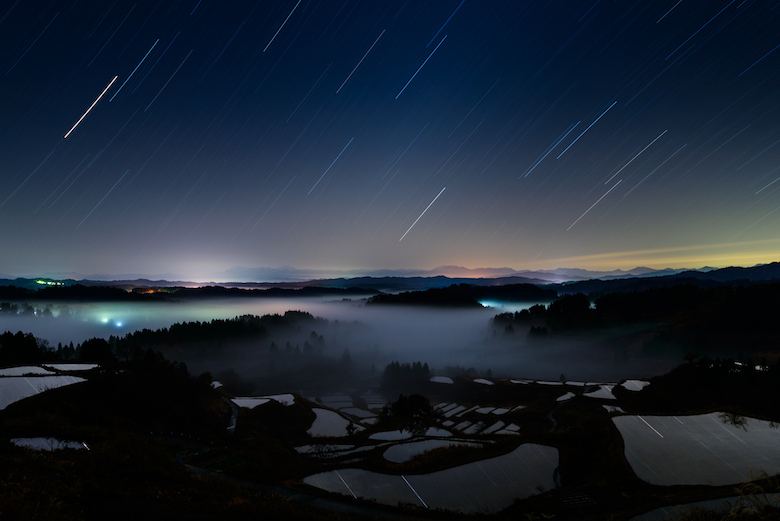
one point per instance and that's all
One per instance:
(315, 133)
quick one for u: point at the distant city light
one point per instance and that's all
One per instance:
(48, 282)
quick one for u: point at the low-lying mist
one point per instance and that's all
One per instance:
(374, 335)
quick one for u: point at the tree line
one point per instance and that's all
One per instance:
(709, 315)
(24, 348)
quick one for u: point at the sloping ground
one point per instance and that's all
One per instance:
(665, 513)
(483, 486)
(700, 449)
(13, 389)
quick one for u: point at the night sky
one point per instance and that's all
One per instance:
(357, 135)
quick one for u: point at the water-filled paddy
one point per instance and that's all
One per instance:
(700, 449)
(406, 451)
(330, 424)
(15, 388)
(485, 486)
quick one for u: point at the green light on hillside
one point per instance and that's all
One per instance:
(43, 282)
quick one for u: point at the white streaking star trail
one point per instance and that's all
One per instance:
(104, 198)
(421, 66)
(331, 165)
(361, 61)
(636, 156)
(594, 204)
(423, 213)
(280, 28)
(136, 68)
(583, 132)
(169, 80)
(90, 107)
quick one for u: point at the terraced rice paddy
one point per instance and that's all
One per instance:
(404, 452)
(634, 385)
(330, 424)
(253, 401)
(47, 444)
(24, 370)
(391, 435)
(604, 392)
(485, 486)
(701, 449)
(15, 388)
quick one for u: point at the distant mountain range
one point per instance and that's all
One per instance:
(290, 274)
(564, 280)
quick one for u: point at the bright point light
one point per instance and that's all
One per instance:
(118, 324)
(105, 320)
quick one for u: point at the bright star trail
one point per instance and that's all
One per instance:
(309, 134)
(591, 207)
(361, 61)
(331, 166)
(420, 67)
(636, 156)
(90, 108)
(423, 213)
(583, 132)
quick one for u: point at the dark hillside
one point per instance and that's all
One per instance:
(466, 295)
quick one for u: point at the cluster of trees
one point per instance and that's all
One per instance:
(25, 310)
(21, 348)
(24, 348)
(568, 312)
(718, 318)
(535, 312)
(413, 413)
(466, 295)
(705, 383)
(246, 326)
(400, 376)
(315, 343)
(454, 296)
(72, 292)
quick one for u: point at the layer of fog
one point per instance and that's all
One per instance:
(443, 338)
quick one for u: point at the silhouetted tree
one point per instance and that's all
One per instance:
(414, 413)
(96, 351)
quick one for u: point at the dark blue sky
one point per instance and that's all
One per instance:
(362, 135)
